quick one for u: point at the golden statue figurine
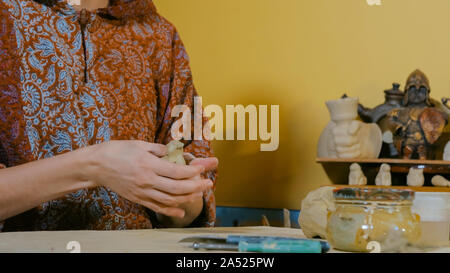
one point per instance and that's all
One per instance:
(418, 124)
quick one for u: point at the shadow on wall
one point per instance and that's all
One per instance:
(248, 175)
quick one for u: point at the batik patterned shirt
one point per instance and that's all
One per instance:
(69, 79)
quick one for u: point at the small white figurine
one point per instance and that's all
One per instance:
(447, 152)
(440, 181)
(356, 176)
(384, 176)
(415, 177)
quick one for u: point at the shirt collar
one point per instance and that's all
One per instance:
(125, 9)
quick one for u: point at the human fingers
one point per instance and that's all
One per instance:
(209, 163)
(188, 157)
(175, 171)
(154, 148)
(161, 209)
(172, 186)
(171, 200)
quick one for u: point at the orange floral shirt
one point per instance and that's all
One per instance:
(70, 79)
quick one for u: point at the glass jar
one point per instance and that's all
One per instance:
(379, 215)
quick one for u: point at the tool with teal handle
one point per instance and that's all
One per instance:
(266, 246)
(258, 244)
(281, 246)
(234, 239)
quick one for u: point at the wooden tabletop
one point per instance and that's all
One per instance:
(130, 241)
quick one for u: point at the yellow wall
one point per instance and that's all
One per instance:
(299, 53)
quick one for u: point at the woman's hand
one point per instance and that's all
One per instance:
(193, 207)
(134, 170)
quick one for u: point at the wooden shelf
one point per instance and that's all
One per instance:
(337, 169)
(385, 160)
(416, 189)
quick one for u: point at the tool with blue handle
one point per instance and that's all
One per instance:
(233, 239)
(267, 244)
(281, 246)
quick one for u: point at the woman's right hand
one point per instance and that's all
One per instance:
(134, 170)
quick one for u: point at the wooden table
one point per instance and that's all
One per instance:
(154, 240)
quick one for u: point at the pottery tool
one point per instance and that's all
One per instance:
(267, 246)
(258, 244)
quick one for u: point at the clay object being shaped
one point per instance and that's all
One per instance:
(383, 177)
(314, 212)
(356, 176)
(346, 137)
(415, 177)
(447, 152)
(417, 125)
(175, 152)
(440, 181)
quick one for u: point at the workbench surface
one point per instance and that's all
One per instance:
(129, 241)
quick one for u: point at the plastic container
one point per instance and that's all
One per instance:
(434, 211)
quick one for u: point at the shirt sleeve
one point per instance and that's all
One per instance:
(8, 76)
(176, 88)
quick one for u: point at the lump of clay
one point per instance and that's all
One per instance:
(314, 212)
(384, 176)
(356, 176)
(415, 177)
(175, 152)
(440, 181)
(447, 152)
